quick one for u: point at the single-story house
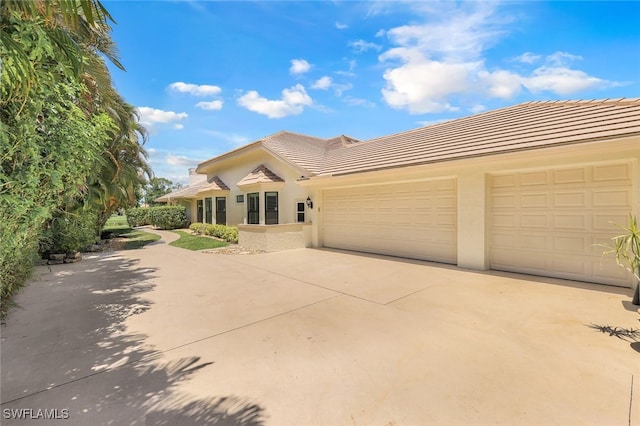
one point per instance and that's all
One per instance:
(531, 188)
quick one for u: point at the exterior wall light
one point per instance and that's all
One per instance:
(309, 203)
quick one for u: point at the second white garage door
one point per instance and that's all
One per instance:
(415, 220)
(551, 222)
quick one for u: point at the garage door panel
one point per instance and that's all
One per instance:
(612, 173)
(416, 220)
(572, 199)
(553, 222)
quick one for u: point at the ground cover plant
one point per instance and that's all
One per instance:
(122, 237)
(196, 242)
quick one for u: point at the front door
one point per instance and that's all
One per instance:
(199, 207)
(253, 208)
(208, 210)
(271, 208)
(221, 210)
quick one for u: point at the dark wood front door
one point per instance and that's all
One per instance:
(221, 210)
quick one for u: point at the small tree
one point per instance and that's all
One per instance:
(627, 251)
(157, 187)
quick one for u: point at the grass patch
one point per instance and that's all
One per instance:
(116, 222)
(196, 242)
(126, 238)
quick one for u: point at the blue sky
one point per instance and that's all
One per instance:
(208, 77)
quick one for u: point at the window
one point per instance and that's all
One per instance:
(208, 210)
(221, 211)
(271, 208)
(300, 211)
(240, 198)
(253, 208)
(200, 208)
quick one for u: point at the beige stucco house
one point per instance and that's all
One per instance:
(532, 188)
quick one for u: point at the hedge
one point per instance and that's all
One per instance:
(171, 217)
(162, 217)
(227, 233)
(138, 216)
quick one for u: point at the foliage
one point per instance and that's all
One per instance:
(70, 146)
(157, 187)
(227, 233)
(626, 247)
(170, 217)
(137, 239)
(194, 242)
(68, 233)
(138, 216)
(116, 222)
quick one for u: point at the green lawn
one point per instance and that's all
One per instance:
(116, 223)
(134, 239)
(196, 242)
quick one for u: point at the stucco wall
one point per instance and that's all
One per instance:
(472, 177)
(274, 237)
(233, 170)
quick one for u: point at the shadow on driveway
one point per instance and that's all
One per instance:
(66, 355)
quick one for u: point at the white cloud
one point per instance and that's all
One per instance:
(149, 117)
(443, 58)
(233, 138)
(195, 89)
(501, 83)
(292, 102)
(299, 66)
(361, 46)
(349, 100)
(478, 108)
(211, 105)
(562, 58)
(180, 160)
(381, 33)
(423, 86)
(528, 58)
(323, 83)
(341, 26)
(561, 80)
(178, 126)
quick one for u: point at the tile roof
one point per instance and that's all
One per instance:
(526, 126)
(190, 191)
(260, 174)
(307, 152)
(212, 184)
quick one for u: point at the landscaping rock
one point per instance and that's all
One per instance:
(57, 256)
(55, 261)
(94, 248)
(73, 257)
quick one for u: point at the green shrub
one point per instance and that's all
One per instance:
(138, 216)
(171, 217)
(69, 232)
(227, 233)
(198, 228)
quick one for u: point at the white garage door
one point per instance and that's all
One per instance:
(550, 222)
(414, 220)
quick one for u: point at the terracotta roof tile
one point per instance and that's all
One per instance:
(212, 184)
(191, 191)
(260, 174)
(526, 126)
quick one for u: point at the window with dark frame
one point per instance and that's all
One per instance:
(240, 198)
(271, 208)
(300, 206)
(253, 208)
(200, 208)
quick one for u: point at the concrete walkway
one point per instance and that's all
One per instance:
(166, 336)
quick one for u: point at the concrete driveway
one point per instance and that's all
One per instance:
(165, 336)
